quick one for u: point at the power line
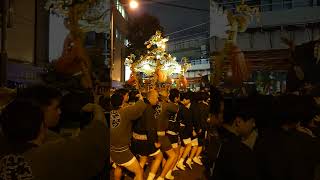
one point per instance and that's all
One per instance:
(192, 35)
(198, 25)
(179, 6)
(181, 42)
(150, 2)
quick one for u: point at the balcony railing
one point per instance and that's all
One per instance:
(199, 61)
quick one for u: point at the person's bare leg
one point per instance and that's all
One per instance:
(199, 150)
(192, 154)
(180, 155)
(196, 158)
(163, 162)
(142, 161)
(136, 169)
(185, 153)
(155, 166)
(117, 173)
(177, 152)
(171, 157)
(181, 151)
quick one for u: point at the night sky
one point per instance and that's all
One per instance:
(174, 18)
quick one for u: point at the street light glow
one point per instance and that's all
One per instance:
(133, 4)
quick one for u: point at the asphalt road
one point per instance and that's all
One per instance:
(197, 173)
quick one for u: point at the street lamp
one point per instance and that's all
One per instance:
(133, 4)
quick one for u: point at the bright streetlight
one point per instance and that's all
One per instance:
(133, 4)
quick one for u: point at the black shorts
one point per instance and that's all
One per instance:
(122, 156)
(143, 148)
(201, 137)
(165, 143)
(174, 139)
(200, 141)
(185, 133)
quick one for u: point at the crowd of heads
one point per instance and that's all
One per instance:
(267, 111)
(42, 107)
(125, 96)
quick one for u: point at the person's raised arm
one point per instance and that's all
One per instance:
(135, 111)
(97, 110)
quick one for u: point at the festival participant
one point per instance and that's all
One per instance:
(132, 100)
(185, 118)
(145, 138)
(133, 97)
(196, 117)
(173, 130)
(125, 93)
(204, 115)
(163, 111)
(120, 133)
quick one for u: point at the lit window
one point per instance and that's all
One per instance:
(126, 42)
(121, 9)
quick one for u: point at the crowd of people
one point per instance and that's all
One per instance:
(167, 127)
(245, 138)
(32, 146)
(154, 133)
(264, 137)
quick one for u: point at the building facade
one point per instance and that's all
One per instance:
(35, 38)
(297, 20)
(196, 50)
(27, 41)
(121, 19)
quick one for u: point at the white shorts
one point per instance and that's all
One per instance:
(127, 164)
(156, 153)
(175, 145)
(187, 141)
(195, 142)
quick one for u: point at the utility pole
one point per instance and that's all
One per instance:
(4, 55)
(112, 42)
